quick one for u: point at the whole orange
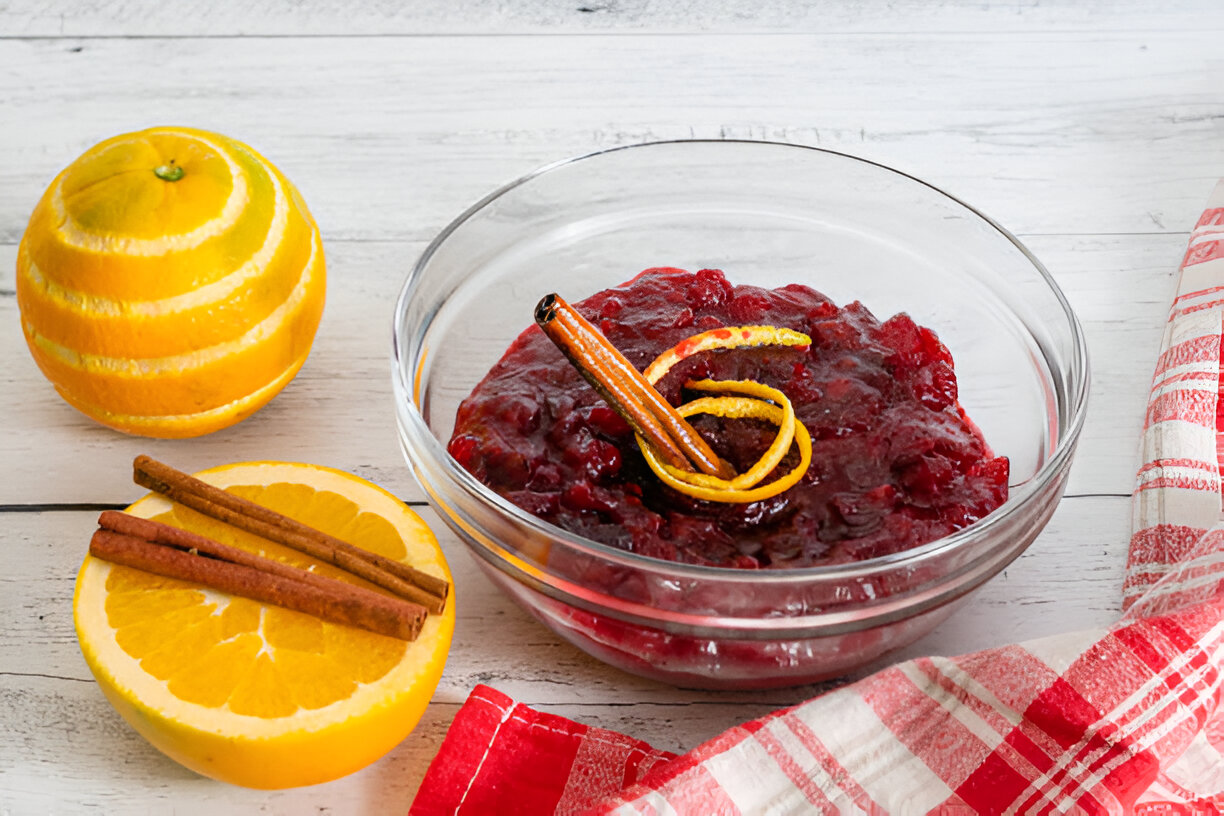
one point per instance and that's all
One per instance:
(170, 282)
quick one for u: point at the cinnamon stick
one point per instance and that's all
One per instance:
(174, 553)
(405, 581)
(170, 536)
(626, 390)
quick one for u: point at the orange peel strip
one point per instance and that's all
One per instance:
(727, 337)
(741, 408)
(713, 489)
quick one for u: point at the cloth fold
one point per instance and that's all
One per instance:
(1117, 721)
(500, 756)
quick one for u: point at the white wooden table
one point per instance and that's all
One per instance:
(1094, 130)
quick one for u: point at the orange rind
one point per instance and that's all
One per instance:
(170, 282)
(258, 695)
(760, 401)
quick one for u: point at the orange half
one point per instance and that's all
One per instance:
(258, 695)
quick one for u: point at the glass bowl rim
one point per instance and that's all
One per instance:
(411, 419)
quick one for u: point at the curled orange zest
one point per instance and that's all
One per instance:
(760, 402)
(740, 489)
(728, 337)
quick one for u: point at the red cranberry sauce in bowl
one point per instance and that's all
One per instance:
(895, 461)
(902, 510)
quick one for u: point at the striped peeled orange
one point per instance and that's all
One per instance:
(170, 282)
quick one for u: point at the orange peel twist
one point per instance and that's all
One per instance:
(759, 402)
(727, 337)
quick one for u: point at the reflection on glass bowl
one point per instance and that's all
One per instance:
(769, 214)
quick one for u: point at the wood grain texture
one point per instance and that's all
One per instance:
(387, 140)
(45, 550)
(74, 18)
(1092, 129)
(130, 777)
(339, 409)
(56, 724)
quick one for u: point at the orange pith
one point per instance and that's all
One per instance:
(170, 308)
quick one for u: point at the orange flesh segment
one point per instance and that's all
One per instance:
(208, 646)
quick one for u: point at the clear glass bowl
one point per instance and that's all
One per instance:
(767, 214)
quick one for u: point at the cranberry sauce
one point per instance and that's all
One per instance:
(895, 463)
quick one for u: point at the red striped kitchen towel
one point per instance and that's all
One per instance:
(1118, 721)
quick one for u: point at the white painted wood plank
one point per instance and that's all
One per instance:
(62, 745)
(57, 18)
(1094, 129)
(107, 768)
(338, 411)
(1101, 133)
(1084, 544)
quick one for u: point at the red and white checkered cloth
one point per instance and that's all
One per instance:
(1118, 721)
